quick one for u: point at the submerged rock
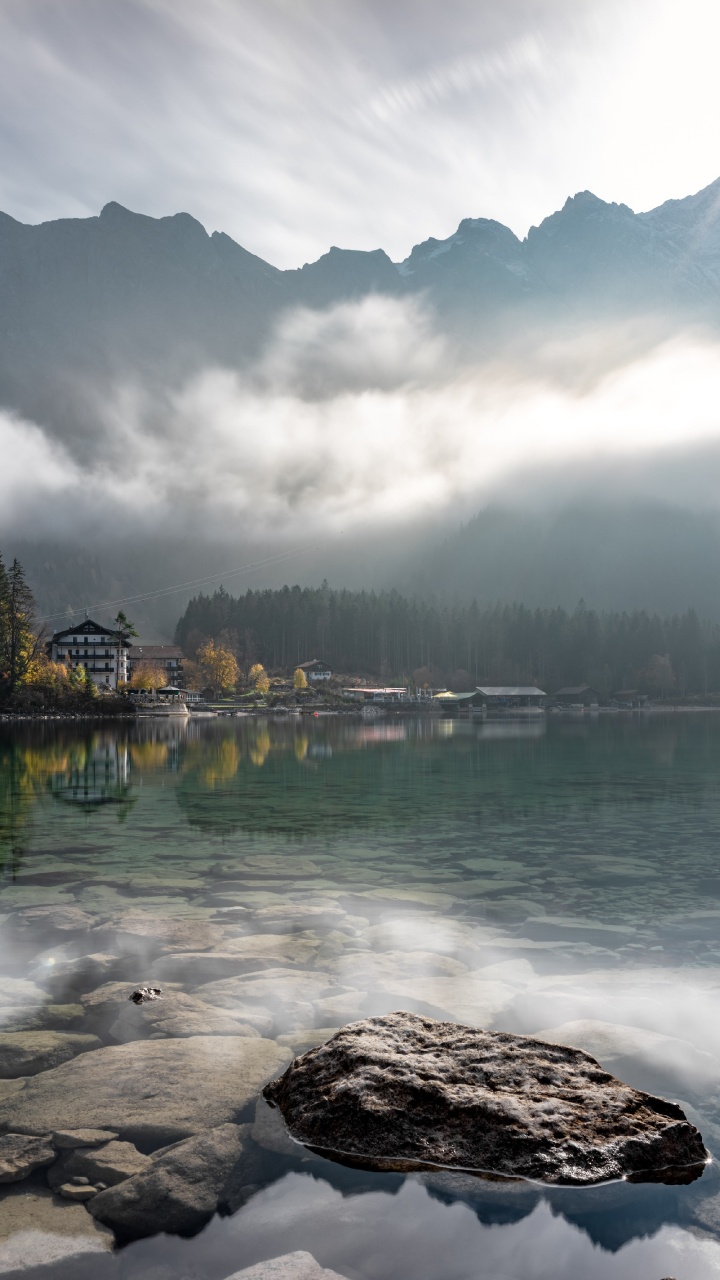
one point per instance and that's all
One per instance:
(406, 1091)
(71, 1191)
(154, 1092)
(291, 1266)
(70, 1139)
(25, 1053)
(110, 1163)
(178, 1192)
(44, 1235)
(178, 1014)
(646, 1059)
(21, 1155)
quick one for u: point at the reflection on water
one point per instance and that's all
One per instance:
(558, 879)
(99, 774)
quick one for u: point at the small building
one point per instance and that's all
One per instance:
(315, 669)
(631, 698)
(382, 695)
(92, 647)
(578, 695)
(511, 696)
(166, 657)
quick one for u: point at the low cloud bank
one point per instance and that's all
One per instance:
(362, 415)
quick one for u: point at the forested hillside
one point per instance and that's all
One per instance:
(392, 637)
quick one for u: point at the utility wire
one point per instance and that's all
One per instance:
(183, 586)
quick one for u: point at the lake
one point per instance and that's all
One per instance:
(559, 878)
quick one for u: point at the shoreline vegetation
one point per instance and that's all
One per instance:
(245, 655)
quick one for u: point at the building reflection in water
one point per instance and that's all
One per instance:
(98, 773)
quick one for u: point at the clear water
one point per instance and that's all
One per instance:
(519, 876)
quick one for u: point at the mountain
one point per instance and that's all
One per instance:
(89, 300)
(647, 555)
(95, 307)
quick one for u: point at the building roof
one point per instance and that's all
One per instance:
(362, 688)
(314, 662)
(86, 628)
(455, 697)
(511, 691)
(154, 652)
(576, 688)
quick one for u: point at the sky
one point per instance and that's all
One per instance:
(296, 124)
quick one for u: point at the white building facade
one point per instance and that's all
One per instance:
(91, 647)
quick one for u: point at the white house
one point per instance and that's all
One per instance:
(315, 669)
(91, 647)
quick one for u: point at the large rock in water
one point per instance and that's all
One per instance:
(152, 1092)
(405, 1091)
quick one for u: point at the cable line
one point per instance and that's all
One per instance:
(183, 586)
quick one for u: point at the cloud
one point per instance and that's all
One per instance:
(356, 418)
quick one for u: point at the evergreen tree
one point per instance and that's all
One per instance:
(18, 641)
(4, 626)
(387, 636)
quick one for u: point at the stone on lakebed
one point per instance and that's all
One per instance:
(405, 1091)
(291, 1266)
(151, 1092)
(176, 1192)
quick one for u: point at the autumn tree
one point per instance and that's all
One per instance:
(148, 675)
(300, 679)
(220, 665)
(194, 676)
(259, 678)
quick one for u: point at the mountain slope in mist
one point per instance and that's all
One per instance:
(83, 301)
(170, 403)
(614, 556)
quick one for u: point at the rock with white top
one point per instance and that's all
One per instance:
(404, 1091)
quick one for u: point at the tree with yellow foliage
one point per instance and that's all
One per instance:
(300, 679)
(220, 666)
(259, 678)
(149, 676)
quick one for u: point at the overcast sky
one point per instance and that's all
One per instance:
(297, 124)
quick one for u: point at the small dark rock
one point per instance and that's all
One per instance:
(141, 995)
(71, 1191)
(404, 1092)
